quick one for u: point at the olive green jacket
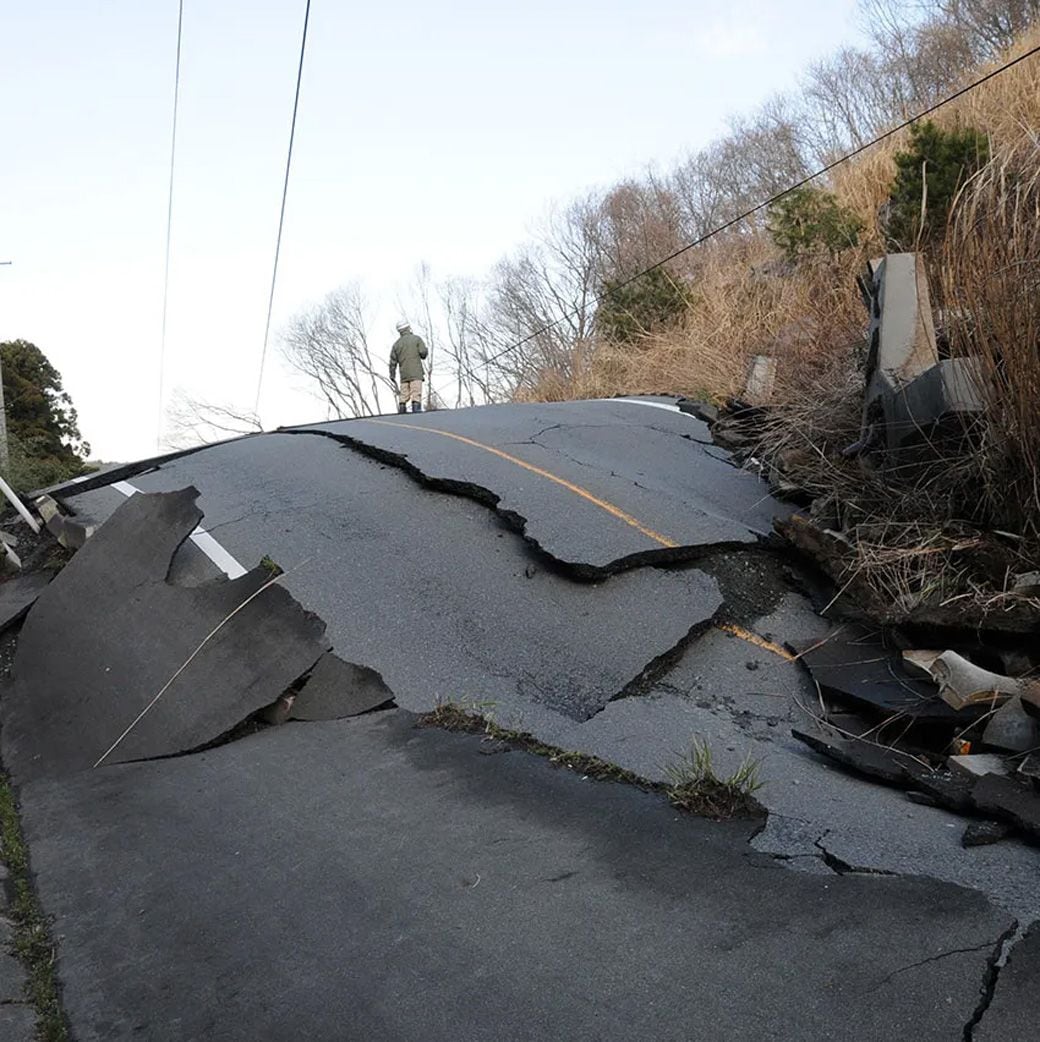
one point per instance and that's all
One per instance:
(408, 352)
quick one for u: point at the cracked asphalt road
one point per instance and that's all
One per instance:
(568, 568)
(367, 880)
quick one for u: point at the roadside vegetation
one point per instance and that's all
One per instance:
(32, 939)
(44, 442)
(692, 783)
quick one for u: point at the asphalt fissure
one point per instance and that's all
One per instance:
(576, 571)
(991, 976)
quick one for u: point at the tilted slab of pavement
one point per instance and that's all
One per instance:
(561, 469)
(365, 879)
(431, 591)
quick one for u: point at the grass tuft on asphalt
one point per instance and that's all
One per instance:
(693, 785)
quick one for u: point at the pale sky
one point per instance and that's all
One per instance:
(433, 132)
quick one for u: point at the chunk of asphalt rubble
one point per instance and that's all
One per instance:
(866, 758)
(116, 663)
(1009, 800)
(984, 832)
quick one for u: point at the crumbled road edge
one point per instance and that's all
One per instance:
(32, 937)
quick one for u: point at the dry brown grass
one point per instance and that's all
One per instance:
(912, 536)
(991, 287)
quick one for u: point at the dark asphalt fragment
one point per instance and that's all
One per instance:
(866, 758)
(982, 833)
(114, 659)
(335, 689)
(853, 664)
(18, 593)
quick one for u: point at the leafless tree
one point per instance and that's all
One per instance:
(462, 340)
(192, 421)
(992, 25)
(329, 345)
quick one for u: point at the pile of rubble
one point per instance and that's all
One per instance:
(957, 726)
(948, 731)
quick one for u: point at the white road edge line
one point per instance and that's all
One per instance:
(652, 405)
(200, 537)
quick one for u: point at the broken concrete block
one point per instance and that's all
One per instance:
(918, 663)
(983, 833)
(1012, 728)
(962, 683)
(150, 668)
(978, 764)
(910, 391)
(761, 379)
(70, 533)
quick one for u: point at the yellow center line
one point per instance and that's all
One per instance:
(569, 485)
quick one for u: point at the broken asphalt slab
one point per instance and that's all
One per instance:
(335, 689)
(431, 591)
(113, 652)
(853, 664)
(18, 593)
(634, 474)
(436, 893)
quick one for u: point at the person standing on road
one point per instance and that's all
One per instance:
(407, 355)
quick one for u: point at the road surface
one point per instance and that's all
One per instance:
(600, 575)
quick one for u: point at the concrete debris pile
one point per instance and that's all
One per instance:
(920, 413)
(119, 661)
(913, 397)
(949, 731)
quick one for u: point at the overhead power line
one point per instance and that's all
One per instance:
(281, 215)
(763, 205)
(169, 222)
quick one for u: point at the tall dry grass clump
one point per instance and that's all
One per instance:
(745, 300)
(991, 285)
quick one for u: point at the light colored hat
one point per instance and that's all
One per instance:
(402, 325)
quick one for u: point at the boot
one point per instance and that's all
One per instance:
(416, 407)
(402, 407)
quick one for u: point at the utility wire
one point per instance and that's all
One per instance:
(169, 224)
(762, 205)
(281, 215)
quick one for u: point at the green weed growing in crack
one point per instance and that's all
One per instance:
(271, 566)
(694, 785)
(32, 941)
